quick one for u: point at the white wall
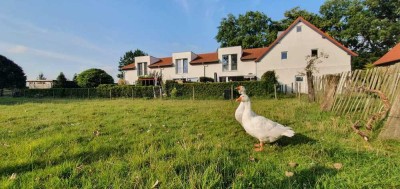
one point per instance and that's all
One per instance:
(130, 76)
(299, 45)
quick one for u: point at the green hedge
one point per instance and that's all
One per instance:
(184, 91)
(219, 90)
(102, 91)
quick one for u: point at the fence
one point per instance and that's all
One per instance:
(361, 93)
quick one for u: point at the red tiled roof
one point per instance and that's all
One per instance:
(129, 67)
(300, 19)
(252, 54)
(205, 58)
(163, 62)
(390, 57)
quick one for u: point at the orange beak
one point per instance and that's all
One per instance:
(239, 99)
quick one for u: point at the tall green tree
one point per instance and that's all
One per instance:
(250, 30)
(368, 27)
(93, 77)
(11, 75)
(294, 13)
(61, 81)
(129, 58)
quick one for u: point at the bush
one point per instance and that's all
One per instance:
(93, 77)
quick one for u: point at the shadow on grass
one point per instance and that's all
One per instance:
(308, 178)
(297, 139)
(83, 157)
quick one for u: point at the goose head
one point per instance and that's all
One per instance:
(241, 89)
(243, 98)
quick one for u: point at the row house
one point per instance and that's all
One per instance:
(286, 56)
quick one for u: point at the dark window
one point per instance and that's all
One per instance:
(284, 55)
(314, 52)
(299, 78)
(298, 28)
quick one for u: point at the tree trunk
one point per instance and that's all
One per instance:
(310, 86)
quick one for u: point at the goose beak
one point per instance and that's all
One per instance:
(239, 99)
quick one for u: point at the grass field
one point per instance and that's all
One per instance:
(124, 143)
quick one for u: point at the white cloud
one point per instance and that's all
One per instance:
(17, 49)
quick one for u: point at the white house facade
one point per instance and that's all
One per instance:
(286, 56)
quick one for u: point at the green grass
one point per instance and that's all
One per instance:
(182, 144)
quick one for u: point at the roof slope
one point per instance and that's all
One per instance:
(323, 34)
(163, 62)
(390, 57)
(205, 58)
(129, 67)
(252, 54)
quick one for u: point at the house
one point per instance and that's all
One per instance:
(390, 58)
(286, 56)
(40, 84)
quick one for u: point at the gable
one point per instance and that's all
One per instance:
(292, 28)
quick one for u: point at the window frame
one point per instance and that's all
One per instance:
(284, 55)
(181, 66)
(142, 68)
(229, 63)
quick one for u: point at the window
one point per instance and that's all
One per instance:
(142, 68)
(284, 55)
(298, 28)
(299, 78)
(229, 62)
(181, 66)
(314, 52)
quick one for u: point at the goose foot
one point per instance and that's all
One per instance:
(259, 147)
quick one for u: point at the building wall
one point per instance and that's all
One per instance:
(299, 45)
(40, 84)
(130, 76)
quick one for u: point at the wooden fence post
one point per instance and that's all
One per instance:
(193, 92)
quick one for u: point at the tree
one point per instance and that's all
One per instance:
(41, 77)
(368, 27)
(61, 81)
(310, 68)
(93, 77)
(129, 58)
(11, 75)
(294, 13)
(251, 30)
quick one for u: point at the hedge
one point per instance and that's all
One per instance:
(183, 91)
(219, 90)
(102, 91)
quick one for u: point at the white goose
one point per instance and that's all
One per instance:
(265, 130)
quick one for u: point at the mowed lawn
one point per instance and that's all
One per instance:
(125, 143)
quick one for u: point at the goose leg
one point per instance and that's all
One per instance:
(260, 147)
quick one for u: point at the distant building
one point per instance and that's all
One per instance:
(286, 56)
(390, 58)
(40, 84)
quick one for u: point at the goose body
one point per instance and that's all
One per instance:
(265, 130)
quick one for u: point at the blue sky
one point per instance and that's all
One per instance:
(53, 36)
